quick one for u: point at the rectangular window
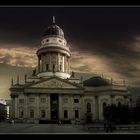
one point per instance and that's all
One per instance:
(43, 113)
(47, 67)
(76, 100)
(60, 67)
(31, 113)
(21, 113)
(65, 100)
(21, 101)
(31, 99)
(53, 68)
(76, 113)
(65, 114)
(43, 100)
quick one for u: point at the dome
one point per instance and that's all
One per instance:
(96, 81)
(54, 30)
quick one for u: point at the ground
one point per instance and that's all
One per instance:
(6, 128)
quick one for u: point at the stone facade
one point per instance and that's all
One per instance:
(52, 93)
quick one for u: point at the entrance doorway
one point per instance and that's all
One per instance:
(54, 106)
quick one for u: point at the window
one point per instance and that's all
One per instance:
(65, 100)
(43, 100)
(60, 67)
(119, 104)
(32, 113)
(43, 113)
(53, 67)
(47, 67)
(76, 113)
(47, 40)
(21, 113)
(43, 42)
(60, 41)
(104, 107)
(88, 107)
(65, 114)
(21, 101)
(76, 100)
(31, 99)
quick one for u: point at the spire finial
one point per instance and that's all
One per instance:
(54, 19)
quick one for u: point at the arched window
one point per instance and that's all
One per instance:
(88, 107)
(104, 106)
(53, 67)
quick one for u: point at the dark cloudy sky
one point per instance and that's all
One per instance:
(103, 40)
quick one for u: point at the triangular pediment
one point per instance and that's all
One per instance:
(55, 83)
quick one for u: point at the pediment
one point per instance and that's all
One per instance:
(54, 83)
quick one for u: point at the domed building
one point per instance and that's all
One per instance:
(53, 93)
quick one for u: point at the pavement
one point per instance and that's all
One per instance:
(17, 128)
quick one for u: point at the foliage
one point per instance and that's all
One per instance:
(118, 114)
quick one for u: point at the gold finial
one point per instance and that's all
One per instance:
(54, 19)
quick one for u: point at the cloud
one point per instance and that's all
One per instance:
(18, 55)
(116, 64)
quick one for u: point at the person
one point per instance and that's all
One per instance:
(12, 122)
(111, 126)
(106, 126)
(59, 122)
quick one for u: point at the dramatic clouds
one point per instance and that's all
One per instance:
(16, 55)
(103, 40)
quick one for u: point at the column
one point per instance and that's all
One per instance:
(82, 107)
(60, 108)
(42, 63)
(96, 108)
(68, 69)
(49, 108)
(26, 106)
(63, 64)
(13, 107)
(38, 64)
(57, 63)
(37, 106)
(71, 109)
(16, 106)
(50, 65)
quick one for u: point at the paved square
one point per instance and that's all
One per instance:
(6, 128)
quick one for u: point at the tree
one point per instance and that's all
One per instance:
(118, 114)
